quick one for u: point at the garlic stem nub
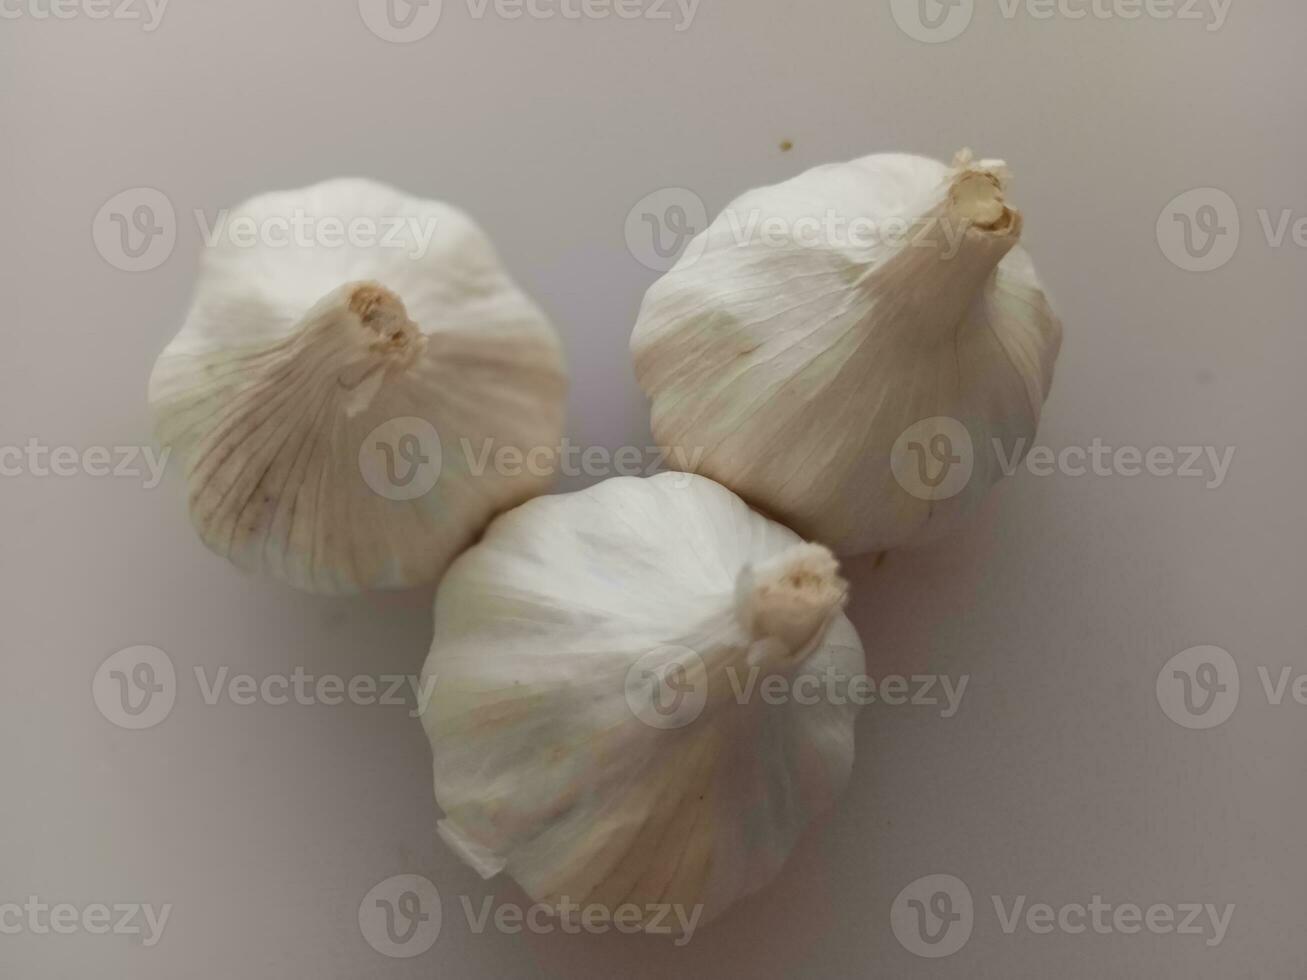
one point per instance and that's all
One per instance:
(301, 383)
(978, 199)
(595, 731)
(790, 599)
(976, 194)
(381, 341)
(383, 312)
(794, 371)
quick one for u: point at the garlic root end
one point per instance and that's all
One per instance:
(791, 598)
(381, 311)
(976, 194)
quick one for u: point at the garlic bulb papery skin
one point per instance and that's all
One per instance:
(816, 342)
(592, 724)
(293, 355)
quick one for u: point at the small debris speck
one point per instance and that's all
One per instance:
(786, 146)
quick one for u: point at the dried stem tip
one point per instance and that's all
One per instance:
(976, 193)
(381, 311)
(791, 598)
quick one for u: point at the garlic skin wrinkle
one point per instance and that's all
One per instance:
(793, 366)
(293, 355)
(597, 720)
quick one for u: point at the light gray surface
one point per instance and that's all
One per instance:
(1060, 778)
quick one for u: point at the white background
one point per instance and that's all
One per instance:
(1060, 778)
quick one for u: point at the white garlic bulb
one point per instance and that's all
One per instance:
(333, 394)
(598, 717)
(848, 349)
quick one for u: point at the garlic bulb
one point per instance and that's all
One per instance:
(332, 396)
(848, 349)
(599, 720)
